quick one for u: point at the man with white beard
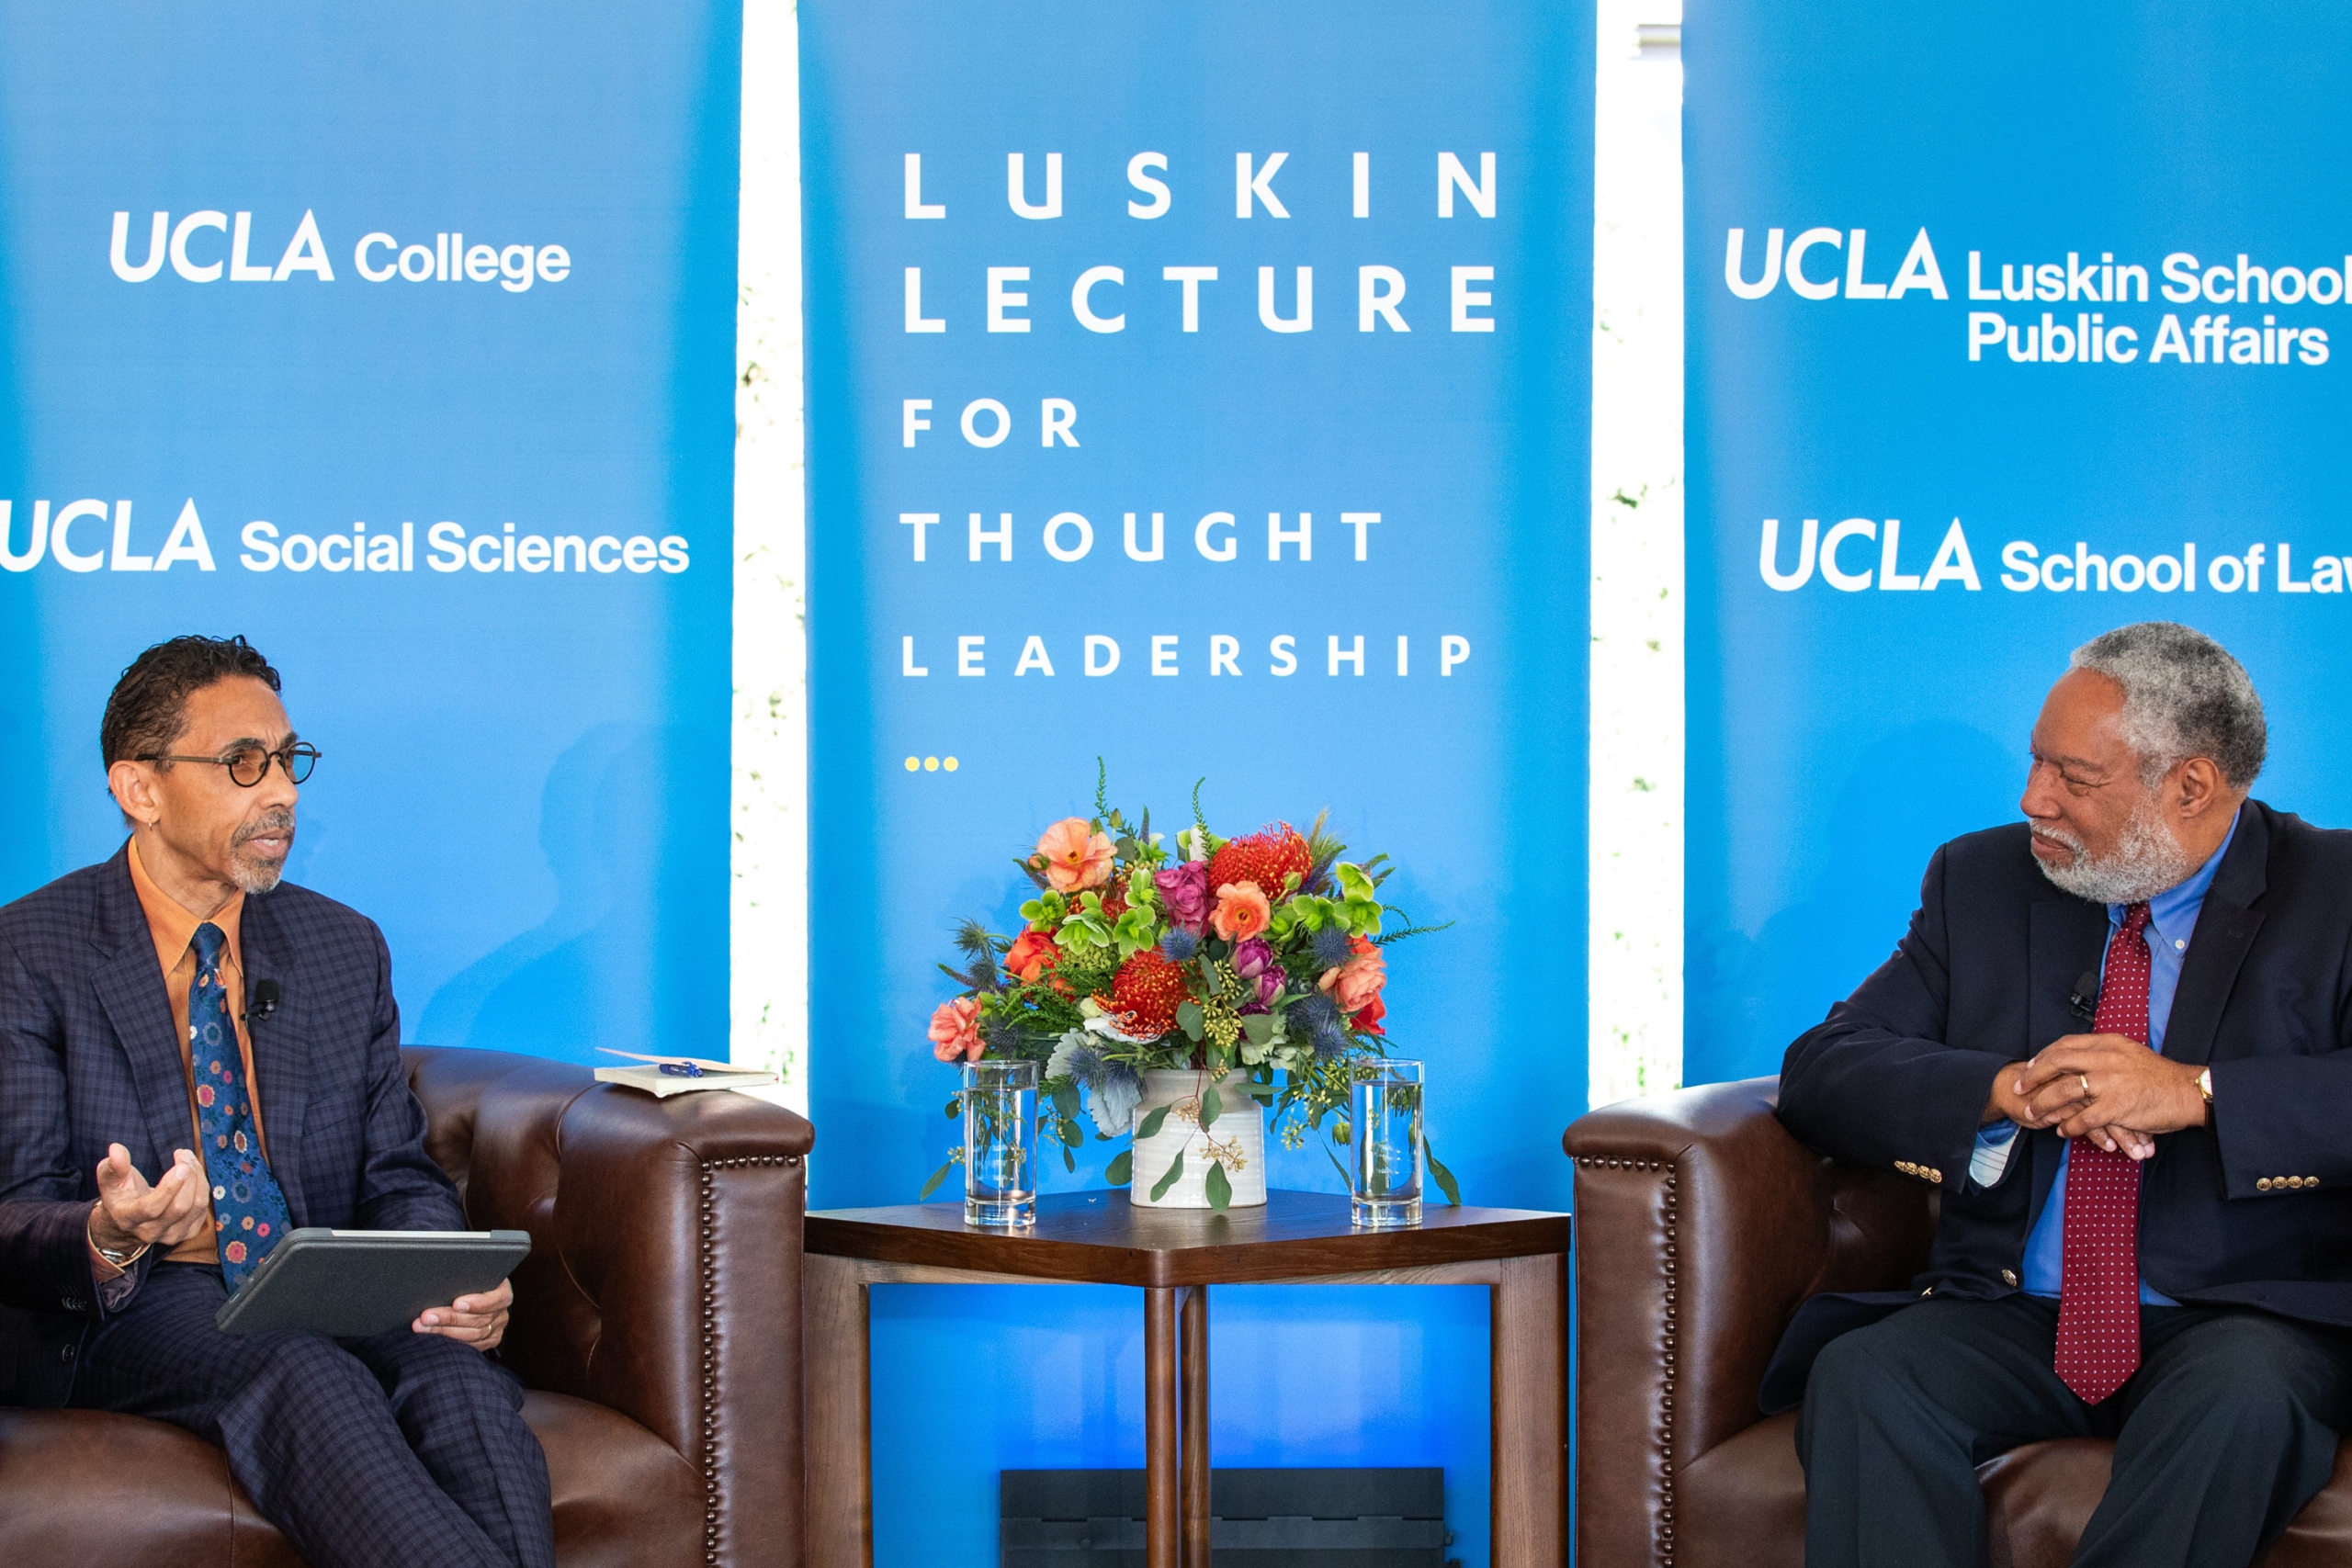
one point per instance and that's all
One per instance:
(2115, 1040)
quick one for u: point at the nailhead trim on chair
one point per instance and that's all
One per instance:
(1666, 1347)
(710, 1343)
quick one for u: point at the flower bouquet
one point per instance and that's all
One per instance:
(1182, 991)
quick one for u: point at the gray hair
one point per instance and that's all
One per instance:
(2183, 696)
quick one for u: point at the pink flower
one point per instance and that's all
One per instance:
(1076, 858)
(1184, 890)
(1241, 911)
(955, 1031)
(1355, 984)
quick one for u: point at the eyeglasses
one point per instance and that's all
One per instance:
(250, 765)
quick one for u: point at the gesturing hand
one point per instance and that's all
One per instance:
(2111, 1089)
(130, 1213)
(478, 1321)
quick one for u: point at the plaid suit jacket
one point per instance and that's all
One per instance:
(89, 1056)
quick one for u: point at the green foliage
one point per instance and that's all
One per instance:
(1211, 1105)
(1150, 1128)
(1442, 1176)
(1122, 1169)
(1188, 1018)
(1175, 1169)
(936, 1177)
(1220, 1190)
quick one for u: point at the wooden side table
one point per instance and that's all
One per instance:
(1174, 1255)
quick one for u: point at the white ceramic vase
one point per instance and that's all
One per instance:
(1239, 1134)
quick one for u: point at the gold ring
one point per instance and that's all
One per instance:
(2087, 1084)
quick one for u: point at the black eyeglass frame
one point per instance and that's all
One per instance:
(286, 757)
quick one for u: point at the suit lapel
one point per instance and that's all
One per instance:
(2066, 936)
(2227, 924)
(281, 1057)
(130, 985)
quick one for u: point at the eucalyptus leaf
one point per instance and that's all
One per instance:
(1442, 1176)
(1220, 1190)
(1122, 1169)
(1212, 1106)
(1342, 1169)
(1070, 1133)
(1260, 1028)
(1150, 1127)
(1160, 1187)
(1188, 1018)
(1209, 981)
(954, 1106)
(936, 1177)
(1070, 1161)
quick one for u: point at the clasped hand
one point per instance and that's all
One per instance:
(2134, 1093)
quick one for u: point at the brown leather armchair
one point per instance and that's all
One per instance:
(656, 1323)
(1701, 1225)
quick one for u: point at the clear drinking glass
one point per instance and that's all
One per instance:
(1385, 1164)
(1000, 1143)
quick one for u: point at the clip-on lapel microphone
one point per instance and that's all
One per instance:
(2084, 1000)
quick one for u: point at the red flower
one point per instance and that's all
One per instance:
(234, 1252)
(1144, 994)
(1368, 1018)
(204, 1094)
(1266, 857)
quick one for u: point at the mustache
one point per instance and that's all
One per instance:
(275, 823)
(2058, 836)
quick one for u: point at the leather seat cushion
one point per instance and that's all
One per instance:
(160, 1497)
(1741, 1505)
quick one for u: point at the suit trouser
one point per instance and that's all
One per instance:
(2226, 1430)
(394, 1450)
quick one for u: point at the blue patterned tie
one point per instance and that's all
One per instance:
(248, 1209)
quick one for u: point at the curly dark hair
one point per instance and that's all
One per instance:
(147, 709)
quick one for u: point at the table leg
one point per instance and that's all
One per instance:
(1163, 1526)
(1530, 1404)
(839, 1498)
(1195, 1314)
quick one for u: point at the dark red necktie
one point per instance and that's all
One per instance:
(2099, 1293)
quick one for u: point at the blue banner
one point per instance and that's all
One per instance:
(2007, 326)
(400, 339)
(1204, 392)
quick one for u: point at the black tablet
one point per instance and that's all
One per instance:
(349, 1284)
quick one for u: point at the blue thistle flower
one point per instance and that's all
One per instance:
(1330, 947)
(1180, 946)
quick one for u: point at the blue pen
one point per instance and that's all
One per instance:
(680, 1070)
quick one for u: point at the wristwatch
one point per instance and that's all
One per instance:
(114, 1256)
(2205, 1088)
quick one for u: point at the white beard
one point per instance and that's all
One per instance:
(2147, 860)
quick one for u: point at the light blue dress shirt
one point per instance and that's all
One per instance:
(2172, 920)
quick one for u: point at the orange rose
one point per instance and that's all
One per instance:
(1356, 984)
(1076, 858)
(1033, 953)
(955, 1031)
(1241, 911)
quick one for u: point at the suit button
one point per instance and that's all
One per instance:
(2010, 1277)
(2263, 1185)
(65, 1351)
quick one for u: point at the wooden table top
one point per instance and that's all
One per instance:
(1101, 1237)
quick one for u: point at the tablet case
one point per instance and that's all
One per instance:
(349, 1284)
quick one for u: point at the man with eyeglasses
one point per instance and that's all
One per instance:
(195, 1057)
(2117, 1043)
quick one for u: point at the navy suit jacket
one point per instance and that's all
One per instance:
(89, 1056)
(1897, 1076)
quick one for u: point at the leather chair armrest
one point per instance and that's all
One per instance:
(664, 1275)
(1700, 1224)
